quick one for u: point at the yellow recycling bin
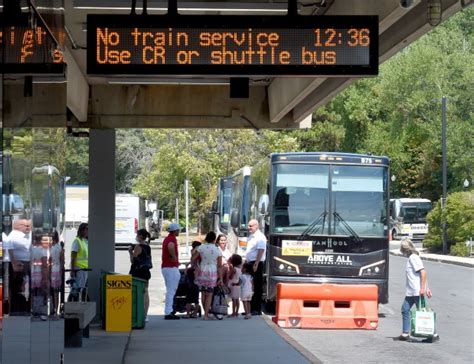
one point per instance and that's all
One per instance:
(118, 301)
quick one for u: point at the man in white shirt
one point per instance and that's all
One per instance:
(19, 244)
(255, 255)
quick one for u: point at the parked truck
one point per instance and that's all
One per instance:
(130, 214)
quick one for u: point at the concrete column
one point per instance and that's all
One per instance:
(101, 207)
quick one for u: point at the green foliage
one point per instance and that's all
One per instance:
(201, 156)
(77, 161)
(398, 113)
(460, 250)
(325, 135)
(459, 216)
(133, 154)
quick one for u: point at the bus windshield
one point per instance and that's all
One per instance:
(333, 200)
(414, 213)
(225, 204)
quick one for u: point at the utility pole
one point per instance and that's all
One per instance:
(444, 172)
(186, 194)
(176, 211)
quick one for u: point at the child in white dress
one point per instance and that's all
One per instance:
(235, 265)
(246, 288)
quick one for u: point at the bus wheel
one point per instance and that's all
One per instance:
(270, 307)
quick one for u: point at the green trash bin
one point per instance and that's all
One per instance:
(138, 303)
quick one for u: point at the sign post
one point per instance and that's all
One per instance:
(118, 300)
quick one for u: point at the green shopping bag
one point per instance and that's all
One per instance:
(423, 320)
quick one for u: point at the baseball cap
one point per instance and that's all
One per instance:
(174, 227)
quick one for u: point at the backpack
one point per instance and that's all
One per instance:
(143, 261)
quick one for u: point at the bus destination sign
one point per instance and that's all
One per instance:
(232, 45)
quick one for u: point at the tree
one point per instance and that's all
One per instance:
(398, 114)
(201, 156)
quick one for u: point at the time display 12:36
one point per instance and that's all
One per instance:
(331, 37)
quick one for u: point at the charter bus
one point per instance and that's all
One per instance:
(325, 216)
(239, 211)
(408, 218)
(220, 211)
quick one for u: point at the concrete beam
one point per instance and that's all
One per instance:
(285, 93)
(179, 106)
(45, 108)
(77, 88)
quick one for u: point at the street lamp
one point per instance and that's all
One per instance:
(466, 183)
(393, 178)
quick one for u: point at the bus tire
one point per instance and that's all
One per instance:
(270, 307)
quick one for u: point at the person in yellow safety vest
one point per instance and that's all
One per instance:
(80, 260)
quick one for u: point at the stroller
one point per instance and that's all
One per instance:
(179, 300)
(183, 292)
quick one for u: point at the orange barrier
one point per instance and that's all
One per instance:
(327, 306)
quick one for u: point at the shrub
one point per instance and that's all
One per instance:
(459, 215)
(460, 249)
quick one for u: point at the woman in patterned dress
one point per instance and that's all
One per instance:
(209, 270)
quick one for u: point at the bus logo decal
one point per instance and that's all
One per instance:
(330, 259)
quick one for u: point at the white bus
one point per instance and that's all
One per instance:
(408, 218)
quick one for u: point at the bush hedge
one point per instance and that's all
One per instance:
(459, 215)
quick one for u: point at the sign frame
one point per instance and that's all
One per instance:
(231, 22)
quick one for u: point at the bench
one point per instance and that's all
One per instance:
(77, 317)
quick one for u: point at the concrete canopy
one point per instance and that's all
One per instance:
(204, 102)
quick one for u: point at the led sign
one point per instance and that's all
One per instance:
(29, 50)
(232, 45)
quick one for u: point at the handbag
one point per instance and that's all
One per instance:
(423, 320)
(219, 305)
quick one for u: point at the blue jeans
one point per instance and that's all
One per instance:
(406, 307)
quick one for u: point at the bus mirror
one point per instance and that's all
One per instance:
(235, 218)
(263, 204)
(214, 206)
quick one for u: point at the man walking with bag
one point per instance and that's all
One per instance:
(416, 286)
(169, 269)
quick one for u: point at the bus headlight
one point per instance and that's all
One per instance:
(376, 268)
(283, 266)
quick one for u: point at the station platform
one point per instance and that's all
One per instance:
(231, 340)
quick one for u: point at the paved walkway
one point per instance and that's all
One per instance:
(232, 340)
(198, 341)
